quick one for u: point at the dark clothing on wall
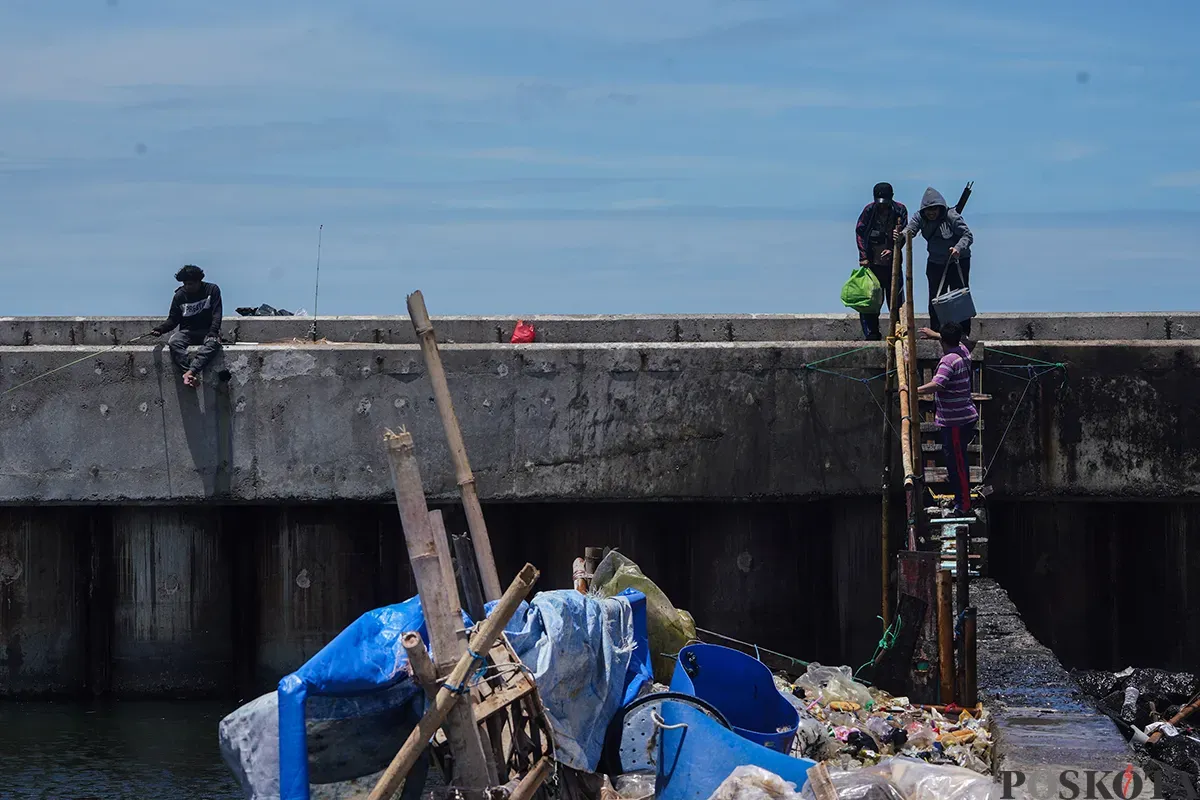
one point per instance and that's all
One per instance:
(182, 339)
(934, 273)
(195, 313)
(874, 234)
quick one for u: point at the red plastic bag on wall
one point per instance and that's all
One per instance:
(523, 333)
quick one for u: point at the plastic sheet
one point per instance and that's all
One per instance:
(749, 782)
(365, 657)
(911, 779)
(670, 629)
(586, 654)
(580, 649)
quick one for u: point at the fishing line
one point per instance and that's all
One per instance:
(73, 363)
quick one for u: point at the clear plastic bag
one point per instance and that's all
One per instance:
(833, 684)
(902, 778)
(755, 783)
(634, 785)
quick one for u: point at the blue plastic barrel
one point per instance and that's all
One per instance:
(742, 689)
(696, 754)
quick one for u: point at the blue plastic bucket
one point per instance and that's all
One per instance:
(742, 689)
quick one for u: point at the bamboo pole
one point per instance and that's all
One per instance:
(914, 412)
(532, 780)
(418, 660)
(486, 634)
(437, 527)
(903, 389)
(945, 619)
(458, 450)
(443, 615)
(886, 479)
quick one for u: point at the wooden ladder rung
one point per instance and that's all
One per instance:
(936, 447)
(978, 398)
(938, 475)
(930, 427)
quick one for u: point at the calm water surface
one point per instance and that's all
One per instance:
(130, 750)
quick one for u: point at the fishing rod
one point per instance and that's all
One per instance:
(73, 363)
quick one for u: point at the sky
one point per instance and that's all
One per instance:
(553, 156)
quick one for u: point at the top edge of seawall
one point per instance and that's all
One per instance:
(584, 329)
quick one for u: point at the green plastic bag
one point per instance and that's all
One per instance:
(863, 292)
(670, 628)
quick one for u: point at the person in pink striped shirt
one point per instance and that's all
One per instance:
(956, 414)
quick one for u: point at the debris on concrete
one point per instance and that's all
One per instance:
(1151, 707)
(269, 311)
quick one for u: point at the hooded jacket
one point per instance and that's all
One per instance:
(948, 230)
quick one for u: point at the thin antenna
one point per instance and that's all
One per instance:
(317, 291)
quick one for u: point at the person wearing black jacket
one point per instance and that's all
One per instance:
(196, 316)
(874, 233)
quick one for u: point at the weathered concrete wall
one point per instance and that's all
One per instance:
(583, 421)
(559, 329)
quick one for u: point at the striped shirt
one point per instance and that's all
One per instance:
(954, 405)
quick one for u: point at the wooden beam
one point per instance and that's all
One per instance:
(945, 622)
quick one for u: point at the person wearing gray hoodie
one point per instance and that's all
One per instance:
(949, 239)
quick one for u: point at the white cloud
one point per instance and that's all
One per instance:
(1186, 179)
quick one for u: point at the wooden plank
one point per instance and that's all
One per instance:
(978, 398)
(936, 447)
(502, 698)
(934, 475)
(929, 427)
(917, 577)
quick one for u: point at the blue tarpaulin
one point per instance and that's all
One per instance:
(589, 656)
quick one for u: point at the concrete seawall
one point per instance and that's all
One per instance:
(618, 420)
(163, 542)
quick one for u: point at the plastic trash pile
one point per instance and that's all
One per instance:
(1142, 701)
(849, 726)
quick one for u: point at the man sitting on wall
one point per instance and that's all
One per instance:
(196, 313)
(956, 414)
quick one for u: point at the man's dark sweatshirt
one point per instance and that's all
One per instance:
(195, 313)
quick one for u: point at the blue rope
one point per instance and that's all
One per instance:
(470, 681)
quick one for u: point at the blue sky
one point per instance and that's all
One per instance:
(551, 156)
